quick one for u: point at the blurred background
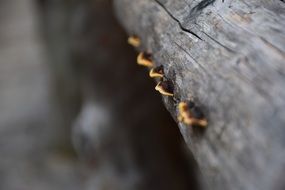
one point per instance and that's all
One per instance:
(76, 112)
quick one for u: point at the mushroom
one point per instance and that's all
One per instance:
(156, 72)
(190, 114)
(134, 41)
(144, 59)
(165, 88)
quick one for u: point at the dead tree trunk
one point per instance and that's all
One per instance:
(229, 57)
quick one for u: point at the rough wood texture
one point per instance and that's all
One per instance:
(229, 58)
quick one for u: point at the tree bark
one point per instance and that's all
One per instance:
(229, 57)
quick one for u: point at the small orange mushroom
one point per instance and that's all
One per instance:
(189, 114)
(156, 72)
(165, 88)
(134, 41)
(144, 59)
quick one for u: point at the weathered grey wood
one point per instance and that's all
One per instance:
(229, 57)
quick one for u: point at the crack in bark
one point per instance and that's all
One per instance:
(219, 43)
(194, 10)
(183, 49)
(179, 23)
(198, 8)
(270, 45)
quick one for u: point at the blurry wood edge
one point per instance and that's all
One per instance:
(229, 58)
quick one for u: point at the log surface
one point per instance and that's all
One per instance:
(229, 57)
